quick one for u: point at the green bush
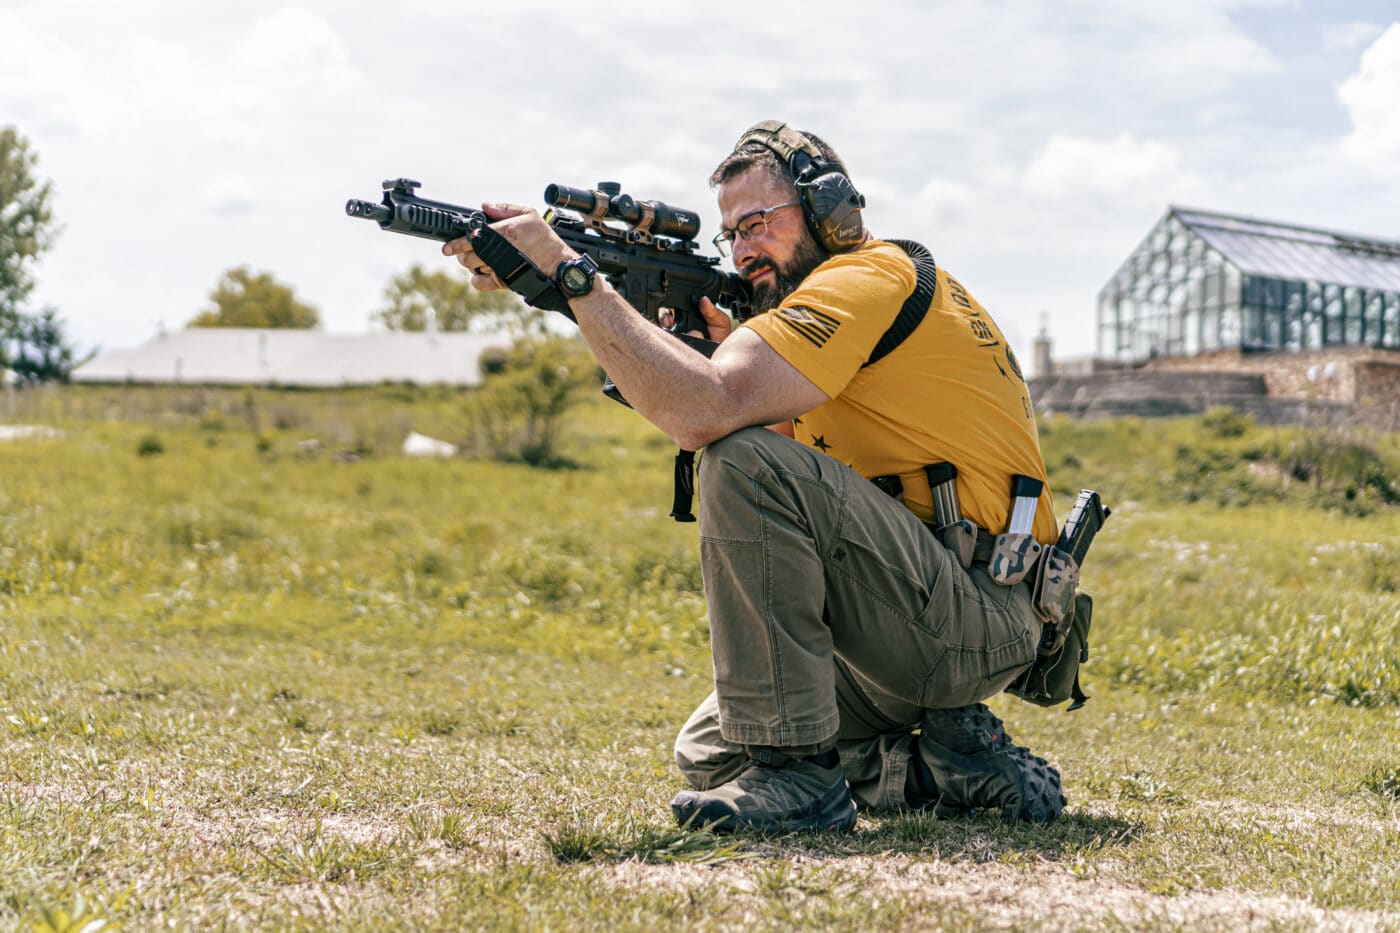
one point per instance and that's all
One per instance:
(1224, 458)
(1226, 422)
(519, 413)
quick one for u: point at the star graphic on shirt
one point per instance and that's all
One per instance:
(819, 442)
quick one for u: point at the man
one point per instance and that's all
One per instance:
(839, 623)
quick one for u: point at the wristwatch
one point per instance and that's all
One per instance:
(574, 277)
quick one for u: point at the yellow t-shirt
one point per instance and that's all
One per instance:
(952, 391)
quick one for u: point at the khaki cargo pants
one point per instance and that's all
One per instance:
(834, 614)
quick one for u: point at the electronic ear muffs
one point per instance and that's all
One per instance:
(830, 202)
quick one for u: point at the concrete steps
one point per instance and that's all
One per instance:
(1154, 394)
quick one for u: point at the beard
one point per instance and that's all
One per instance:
(786, 277)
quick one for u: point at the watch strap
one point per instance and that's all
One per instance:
(519, 274)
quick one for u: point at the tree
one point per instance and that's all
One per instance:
(42, 351)
(255, 299)
(455, 305)
(26, 230)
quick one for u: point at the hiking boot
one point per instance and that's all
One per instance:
(783, 795)
(975, 765)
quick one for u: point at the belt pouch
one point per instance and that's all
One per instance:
(1052, 595)
(1013, 558)
(1054, 677)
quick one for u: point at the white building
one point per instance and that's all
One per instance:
(304, 358)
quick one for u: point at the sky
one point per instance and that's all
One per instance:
(1030, 144)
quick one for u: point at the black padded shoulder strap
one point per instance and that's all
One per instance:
(915, 306)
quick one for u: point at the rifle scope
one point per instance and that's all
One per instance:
(667, 221)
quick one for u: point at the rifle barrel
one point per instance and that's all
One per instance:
(368, 210)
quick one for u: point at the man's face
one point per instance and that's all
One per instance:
(773, 249)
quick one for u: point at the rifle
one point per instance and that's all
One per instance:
(651, 260)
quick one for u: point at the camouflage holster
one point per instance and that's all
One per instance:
(1013, 558)
(1054, 677)
(1052, 596)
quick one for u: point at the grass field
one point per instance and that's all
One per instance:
(249, 682)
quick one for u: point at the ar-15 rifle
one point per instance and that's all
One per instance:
(651, 259)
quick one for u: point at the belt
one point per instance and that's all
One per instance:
(982, 550)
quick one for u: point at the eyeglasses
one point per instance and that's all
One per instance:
(749, 227)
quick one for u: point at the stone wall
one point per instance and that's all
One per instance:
(1343, 374)
(1366, 377)
(1378, 393)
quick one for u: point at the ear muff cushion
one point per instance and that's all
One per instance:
(829, 200)
(833, 206)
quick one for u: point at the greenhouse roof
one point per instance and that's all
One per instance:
(1289, 251)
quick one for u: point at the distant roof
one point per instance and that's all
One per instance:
(247, 356)
(1290, 251)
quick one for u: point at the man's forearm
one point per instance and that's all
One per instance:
(693, 398)
(680, 391)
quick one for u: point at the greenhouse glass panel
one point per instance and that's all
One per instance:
(1202, 281)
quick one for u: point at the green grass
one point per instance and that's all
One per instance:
(251, 683)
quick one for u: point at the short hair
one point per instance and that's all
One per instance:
(753, 155)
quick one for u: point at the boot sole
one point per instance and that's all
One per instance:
(835, 812)
(1041, 797)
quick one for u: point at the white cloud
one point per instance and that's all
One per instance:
(1119, 167)
(1349, 35)
(1028, 144)
(229, 192)
(944, 201)
(285, 65)
(1372, 99)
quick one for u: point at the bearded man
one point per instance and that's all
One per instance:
(852, 648)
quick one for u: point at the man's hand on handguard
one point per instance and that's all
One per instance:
(527, 232)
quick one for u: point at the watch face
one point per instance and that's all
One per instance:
(575, 279)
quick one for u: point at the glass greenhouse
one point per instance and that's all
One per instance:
(1203, 281)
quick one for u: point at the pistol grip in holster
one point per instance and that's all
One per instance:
(960, 537)
(1014, 557)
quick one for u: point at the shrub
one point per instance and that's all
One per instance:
(150, 446)
(1226, 422)
(519, 411)
(1341, 464)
